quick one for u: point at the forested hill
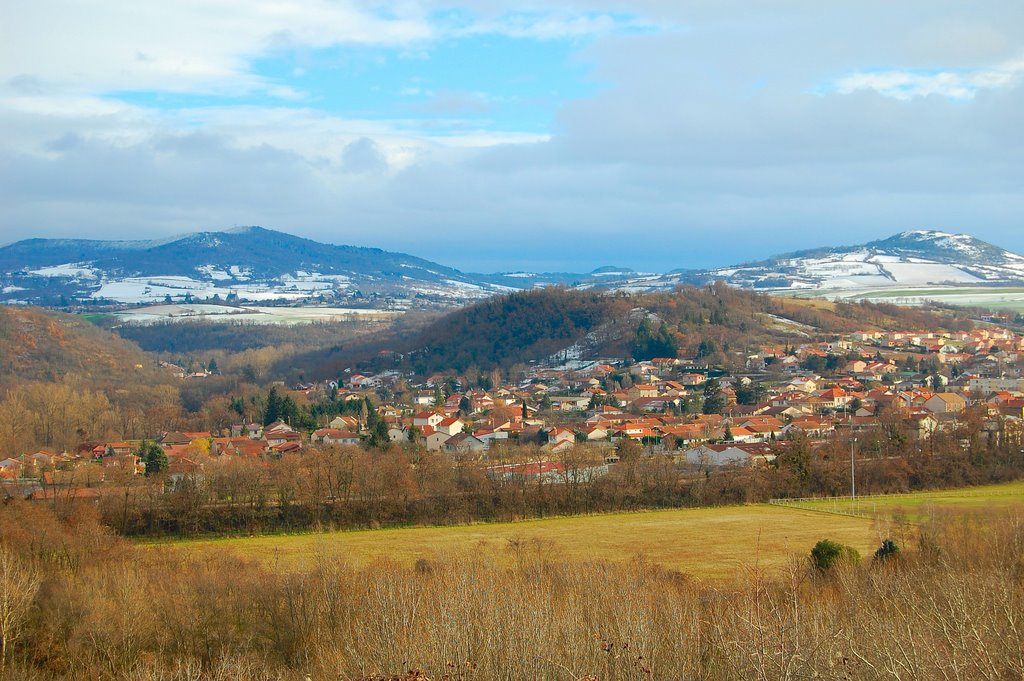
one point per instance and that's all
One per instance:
(557, 323)
(38, 345)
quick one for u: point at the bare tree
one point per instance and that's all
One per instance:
(19, 583)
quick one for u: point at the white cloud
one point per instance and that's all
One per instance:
(905, 85)
(181, 46)
(696, 139)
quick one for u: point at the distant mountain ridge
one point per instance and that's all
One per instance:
(256, 264)
(251, 263)
(913, 258)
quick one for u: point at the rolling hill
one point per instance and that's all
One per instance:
(559, 325)
(40, 345)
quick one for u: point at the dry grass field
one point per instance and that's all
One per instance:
(705, 542)
(918, 506)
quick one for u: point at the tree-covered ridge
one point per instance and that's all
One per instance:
(41, 345)
(707, 322)
(510, 329)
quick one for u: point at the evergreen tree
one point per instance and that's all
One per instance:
(153, 457)
(379, 434)
(714, 400)
(272, 411)
(647, 344)
(364, 414)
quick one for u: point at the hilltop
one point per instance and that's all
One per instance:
(913, 258)
(555, 325)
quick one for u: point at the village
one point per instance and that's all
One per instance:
(692, 413)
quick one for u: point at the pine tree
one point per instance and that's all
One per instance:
(153, 456)
(272, 412)
(379, 434)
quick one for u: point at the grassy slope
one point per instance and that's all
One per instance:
(918, 506)
(705, 542)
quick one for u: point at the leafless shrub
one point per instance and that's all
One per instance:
(949, 608)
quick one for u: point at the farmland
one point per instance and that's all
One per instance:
(705, 542)
(919, 506)
(987, 297)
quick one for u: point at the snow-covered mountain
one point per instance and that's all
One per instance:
(908, 259)
(250, 263)
(256, 264)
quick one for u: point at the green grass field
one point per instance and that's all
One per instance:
(705, 542)
(918, 506)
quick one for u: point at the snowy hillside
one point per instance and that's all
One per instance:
(909, 259)
(248, 264)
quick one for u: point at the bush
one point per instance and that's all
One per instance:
(827, 553)
(887, 550)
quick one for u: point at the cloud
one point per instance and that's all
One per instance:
(955, 85)
(708, 141)
(363, 156)
(184, 46)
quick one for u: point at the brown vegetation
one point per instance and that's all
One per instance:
(355, 487)
(104, 610)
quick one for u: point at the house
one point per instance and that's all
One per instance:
(729, 454)
(180, 468)
(920, 425)
(945, 403)
(450, 425)
(350, 423)
(333, 436)
(114, 448)
(427, 418)
(423, 398)
(464, 442)
(488, 436)
(571, 402)
(641, 390)
(435, 440)
(11, 468)
(278, 437)
(654, 404)
(558, 435)
(715, 455)
(173, 438)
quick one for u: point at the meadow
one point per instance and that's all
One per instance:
(714, 542)
(704, 542)
(564, 600)
(919, 507)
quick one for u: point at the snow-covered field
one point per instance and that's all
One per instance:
(250, 314)
(69, 270)
(992, 298)
(153, 289)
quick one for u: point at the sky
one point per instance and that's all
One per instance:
(496, 136)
